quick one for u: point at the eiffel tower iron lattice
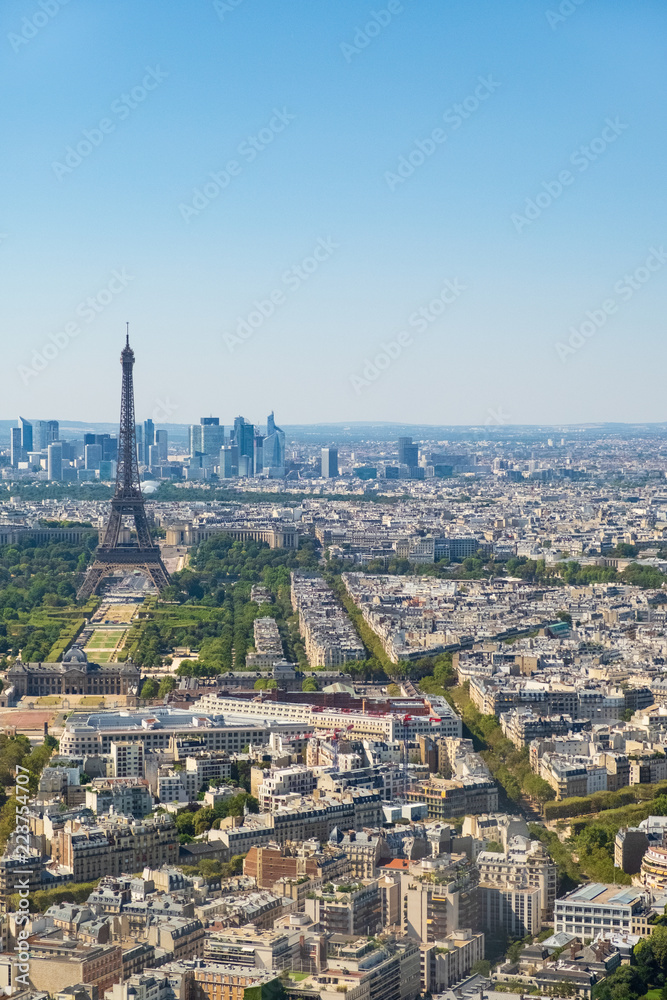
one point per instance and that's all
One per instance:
(112, 554)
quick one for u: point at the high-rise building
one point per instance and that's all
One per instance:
(195, 446)
(108, 444)
(329, 463)
(139, 438)
(92, 456)
(26, 435)
(244, 439)
(408, 452)
(44, 432)
(54, 461)
(108, 468)
(258, 454)
(207, 437)
(149, 437)
(16, 449)
(227, 469)
(212, 436)
(274, 449)
(162, 441)
(153, 456)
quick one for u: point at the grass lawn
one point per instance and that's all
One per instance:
(92, 699)
(654, 994)
(298, 976)
(49, 699)
(104, 640)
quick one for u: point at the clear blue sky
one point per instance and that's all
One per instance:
(203, 76)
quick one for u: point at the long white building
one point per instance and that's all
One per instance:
(312, 718)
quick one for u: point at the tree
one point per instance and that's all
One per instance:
(167, 684)
(394, 691)
(150, 689)
(204, 820)
(185, 823)
(309, 684)
(481, 967)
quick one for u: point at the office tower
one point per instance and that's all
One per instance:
(196, 445)
(212, 436)
(153, 456)
(54, 461)
(16, 449)
(108, 469)
(329, 463)
(92, 456)
(244, 438)
(149, 437)
(108, 444)
(110, 447)
(408, 453)
(139, 436)
(162, 442)
(44, 432)
(258, 455)
(226, 470)
(245, 465)
(26, 434)
(274, 448)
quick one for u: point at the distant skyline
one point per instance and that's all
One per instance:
(423, 213)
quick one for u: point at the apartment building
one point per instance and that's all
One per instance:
(295, 946)
(450, 960)
(329, 636)
(351, 909)
(270, 785)
(439, 896)
(268, 645)
(127, 759)
(124, 796)
(524, 863)
(116, 844)
(598, 910)
(55, 964)
(446, 798)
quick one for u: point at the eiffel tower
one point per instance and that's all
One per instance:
(113, 555)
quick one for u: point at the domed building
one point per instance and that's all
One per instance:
(73, 675)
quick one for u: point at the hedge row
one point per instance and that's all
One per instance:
(599, 801)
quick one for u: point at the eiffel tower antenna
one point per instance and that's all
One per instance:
(112, 554)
